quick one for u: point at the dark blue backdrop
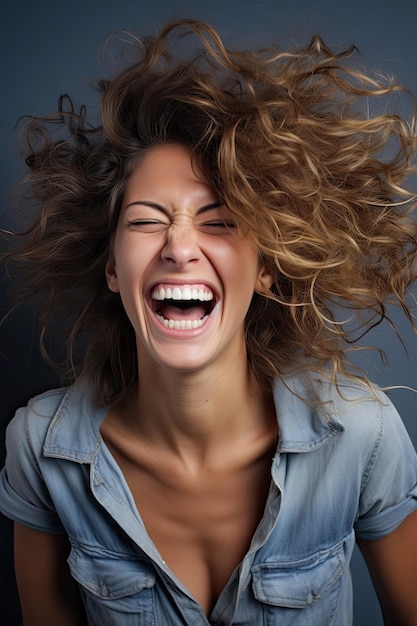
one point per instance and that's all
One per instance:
(47, 48)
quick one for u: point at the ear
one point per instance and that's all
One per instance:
(265, 278)
(111, 275)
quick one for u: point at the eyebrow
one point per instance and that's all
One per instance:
(159, 207)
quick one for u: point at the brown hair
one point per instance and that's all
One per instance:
(287, 140)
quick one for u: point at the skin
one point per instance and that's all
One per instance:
(48, 594)
(189, 449)
(392, 562)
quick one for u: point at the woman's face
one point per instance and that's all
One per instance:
(185, 276)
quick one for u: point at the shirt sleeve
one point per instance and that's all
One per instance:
(24, 496)
(389, 484)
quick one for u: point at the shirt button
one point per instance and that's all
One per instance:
(104, 591)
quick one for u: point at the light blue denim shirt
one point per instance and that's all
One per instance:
(342, 467)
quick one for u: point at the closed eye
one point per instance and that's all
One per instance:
(219, 226)
(148, 226)
(223, 223)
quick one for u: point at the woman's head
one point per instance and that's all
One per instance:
(185, 274)
(285, 140)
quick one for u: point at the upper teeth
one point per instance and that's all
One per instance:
(181, 293)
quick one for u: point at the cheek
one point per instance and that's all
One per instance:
(239, 267)
(125, 253)
(245, 264)
(134, 261)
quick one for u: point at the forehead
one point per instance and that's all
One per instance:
(167, 163)
(168, 176)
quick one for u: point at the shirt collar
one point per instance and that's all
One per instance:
(305, 410)
(74, 432)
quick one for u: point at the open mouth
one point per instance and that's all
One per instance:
(182, 307)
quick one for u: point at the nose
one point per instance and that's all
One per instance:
(181, 245)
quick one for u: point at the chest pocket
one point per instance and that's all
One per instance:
(301, 592)
(117, 589)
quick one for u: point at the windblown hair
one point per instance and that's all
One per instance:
(299, 144)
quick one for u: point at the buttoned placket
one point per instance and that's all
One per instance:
(227, 606)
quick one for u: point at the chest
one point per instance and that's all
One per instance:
(202, 525)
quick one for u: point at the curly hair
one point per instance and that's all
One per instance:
(288, 141)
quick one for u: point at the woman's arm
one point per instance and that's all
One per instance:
(48, 594)
(392, 562)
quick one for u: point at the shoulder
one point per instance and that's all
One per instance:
(24, 487)
(344, 394)
(46, 404)
(36, 416)
(32, 423)
(321, 388)
(314, 403)
(365, 411)
(354, 429)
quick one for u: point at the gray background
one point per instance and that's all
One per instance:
(47, 48)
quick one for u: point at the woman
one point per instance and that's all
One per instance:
(214, 458)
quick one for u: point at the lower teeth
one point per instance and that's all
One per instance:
(182, 324)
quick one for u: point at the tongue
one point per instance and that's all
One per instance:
(172, 312)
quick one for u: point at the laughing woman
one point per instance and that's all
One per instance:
(213, 458)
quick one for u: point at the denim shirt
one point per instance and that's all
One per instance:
(343, 466)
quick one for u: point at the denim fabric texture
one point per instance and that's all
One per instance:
(344, 466)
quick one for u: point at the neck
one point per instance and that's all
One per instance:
(198, 412)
